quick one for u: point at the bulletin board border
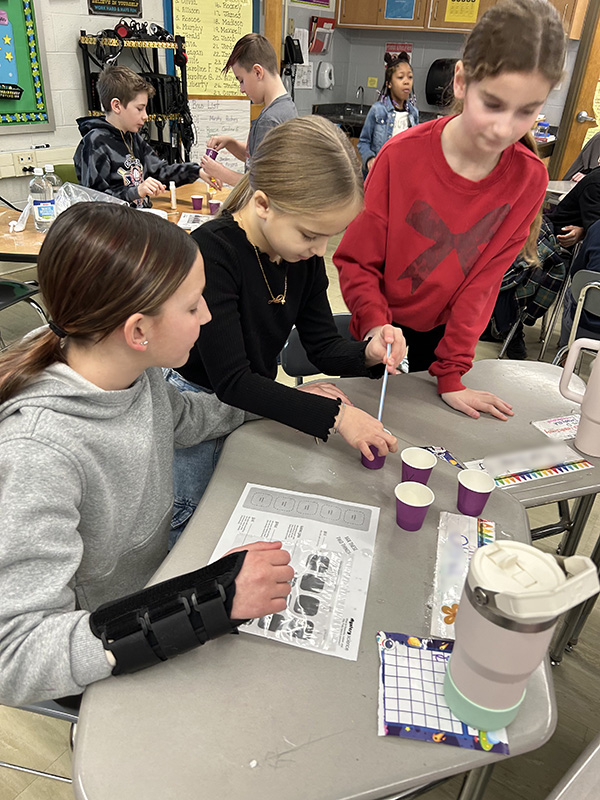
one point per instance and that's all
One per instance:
(40, 118)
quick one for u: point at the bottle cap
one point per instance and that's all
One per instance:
(524, 583)
(38, 171)
(49, 167)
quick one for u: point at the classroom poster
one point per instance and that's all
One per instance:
(462, 11)
(24, 95)
(211, 30)
(400, 9)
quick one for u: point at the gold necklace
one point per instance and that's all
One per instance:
(128, 146)
(280, 298)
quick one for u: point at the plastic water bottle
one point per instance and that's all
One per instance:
(42, 201)
(52, 178)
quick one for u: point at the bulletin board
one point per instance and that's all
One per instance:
(211, 28)
(25, 104)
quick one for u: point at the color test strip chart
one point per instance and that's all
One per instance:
(532, 475)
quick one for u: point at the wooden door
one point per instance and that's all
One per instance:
(571, 132)
(390, 11)
(357, 12)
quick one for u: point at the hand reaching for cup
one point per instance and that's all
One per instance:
(361, 430)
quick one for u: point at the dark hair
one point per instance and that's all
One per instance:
(253, 49)
(123, 84)
(99, 263)
(516, 36)
(286, 162)
(391, 62)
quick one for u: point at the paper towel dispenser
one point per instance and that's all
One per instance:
(325, 77)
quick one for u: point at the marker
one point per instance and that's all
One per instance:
(384, 385)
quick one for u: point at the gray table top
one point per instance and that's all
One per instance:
(246, 717)
(531, 387)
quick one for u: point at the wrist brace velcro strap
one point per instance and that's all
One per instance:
(166, 619)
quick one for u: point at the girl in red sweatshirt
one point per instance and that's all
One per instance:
(450, 203)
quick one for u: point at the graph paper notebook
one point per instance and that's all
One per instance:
(411, 695)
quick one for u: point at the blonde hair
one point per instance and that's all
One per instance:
(304, 165)
(99, 263)
(523, 36)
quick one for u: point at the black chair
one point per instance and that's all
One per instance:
(12, 292)
(49, 708)
(294, 359)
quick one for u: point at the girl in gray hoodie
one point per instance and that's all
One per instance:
(87, 432)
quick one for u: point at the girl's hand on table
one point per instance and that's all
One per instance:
(325, 389)
(376, 350)
(472, 401)
(361, 430)
(263, 583)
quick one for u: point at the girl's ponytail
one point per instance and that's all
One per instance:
(25, 360)
(239, 195)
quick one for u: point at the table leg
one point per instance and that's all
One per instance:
(574, 619)
(571, 539)
(475, 783)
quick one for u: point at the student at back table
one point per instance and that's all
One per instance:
(112, 157)
(254, 64)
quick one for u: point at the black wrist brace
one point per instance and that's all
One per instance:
(166, 619)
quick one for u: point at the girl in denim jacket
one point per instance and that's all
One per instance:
(394, 112)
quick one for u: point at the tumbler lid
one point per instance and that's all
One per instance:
(524, 583)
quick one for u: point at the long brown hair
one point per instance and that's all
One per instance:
(516, 36)
(304, 165)
(99, 263)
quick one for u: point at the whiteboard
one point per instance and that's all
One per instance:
(214, 117)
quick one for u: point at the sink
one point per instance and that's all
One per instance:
(349, 116)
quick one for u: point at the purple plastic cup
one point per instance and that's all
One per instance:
(474, 488)
(197, 200)
(214, 206)
(417, 464)
(378, 461)
(412, 501)
(211, 153)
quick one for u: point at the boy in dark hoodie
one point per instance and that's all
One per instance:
(112, 157)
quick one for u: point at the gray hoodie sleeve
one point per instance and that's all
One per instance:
(201, 416)
(46, 646)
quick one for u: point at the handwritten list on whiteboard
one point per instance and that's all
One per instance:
(211, 29)
(214, 117)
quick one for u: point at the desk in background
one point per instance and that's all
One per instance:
(245, 717)
(24, 247)
(532, 389)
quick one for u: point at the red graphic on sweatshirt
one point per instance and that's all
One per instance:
(425, 220)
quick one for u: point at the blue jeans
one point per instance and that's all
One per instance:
(192, 467)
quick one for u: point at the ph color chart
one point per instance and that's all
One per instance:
(550, 472)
